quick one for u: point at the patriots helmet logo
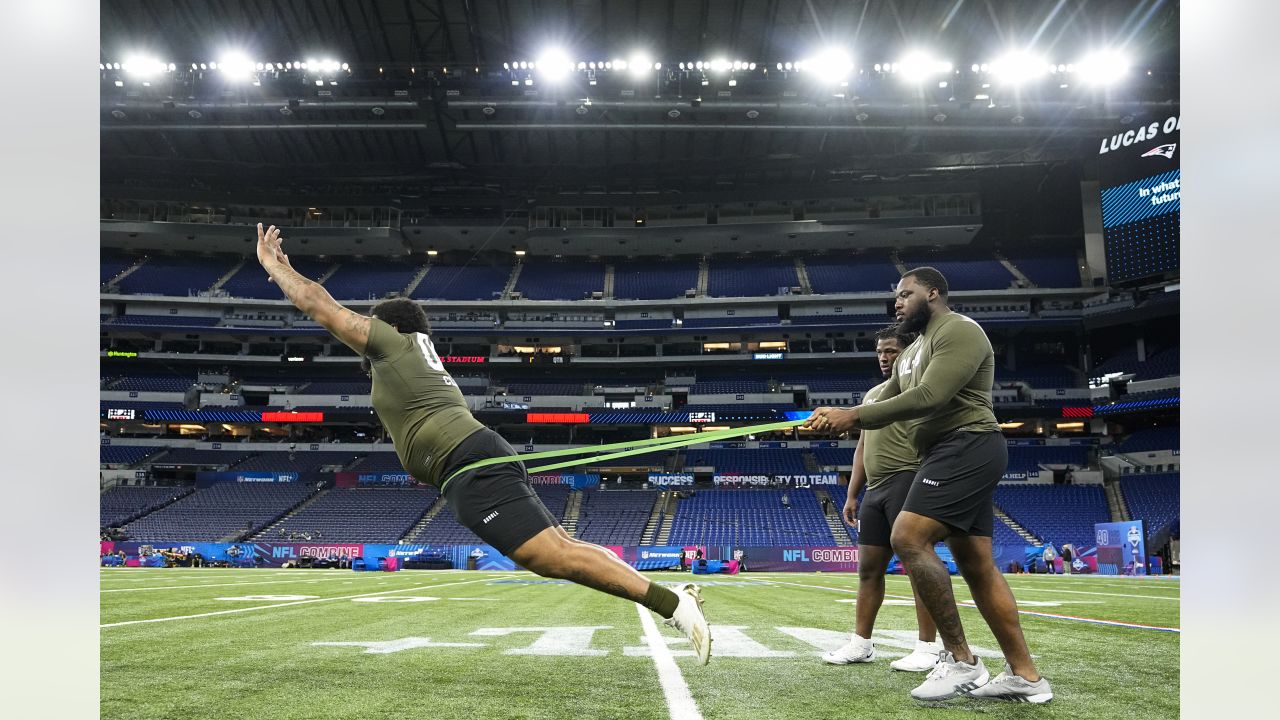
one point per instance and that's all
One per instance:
(1165, 151)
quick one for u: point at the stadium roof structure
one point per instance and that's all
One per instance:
(442, 101)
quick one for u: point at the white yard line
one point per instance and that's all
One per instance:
(1023, 588)
(679, 700)
(214, 585)
(295, 602)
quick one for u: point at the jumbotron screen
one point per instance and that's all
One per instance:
(1141, 201)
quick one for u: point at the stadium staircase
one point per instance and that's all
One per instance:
(217, 285)
(664, 532)
(510, 287)
(266, 532)
(832, 516)
(572, 511)
(329, 273)
(656, 518)
(607, 293)
(417, 280)
(1116, 506)
(144, 513)
(1013, 524)
(433, 510)
(115, 281)
(1014, 271)
(704, 272)
(802, 274)
(897, 262)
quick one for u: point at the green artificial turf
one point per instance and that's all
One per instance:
(263, 663)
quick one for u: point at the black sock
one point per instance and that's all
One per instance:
(661, 600)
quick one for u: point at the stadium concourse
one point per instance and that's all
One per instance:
(672, 229)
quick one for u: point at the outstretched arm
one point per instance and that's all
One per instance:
(310, 297)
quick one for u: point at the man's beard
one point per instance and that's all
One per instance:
(915, 321)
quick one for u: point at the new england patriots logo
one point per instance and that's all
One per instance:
(1165, 151)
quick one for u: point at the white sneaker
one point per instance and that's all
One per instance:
(689, 620)
(924, 657)
(857, 650)
(1007, 686)
(950, 678)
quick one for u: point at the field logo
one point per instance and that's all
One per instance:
(576, 641)
(1164, 151)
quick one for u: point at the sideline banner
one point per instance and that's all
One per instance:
(1122, 548)
(670, 479)
(800, 559)
(353, 479)
(206, 479)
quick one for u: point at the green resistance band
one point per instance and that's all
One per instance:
(634, 447)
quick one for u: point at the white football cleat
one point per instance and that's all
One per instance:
(950, 678)
(689, 620)
(924, 657)
(857, 650)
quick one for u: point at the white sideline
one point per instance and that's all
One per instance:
(295, 602)
(679, 700)
(214, 585)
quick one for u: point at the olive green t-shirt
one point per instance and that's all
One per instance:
(417, 400)
(941, 383)
(886, 451)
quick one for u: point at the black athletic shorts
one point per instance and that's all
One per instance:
(496, 502)
(956, 482)
(880, 507)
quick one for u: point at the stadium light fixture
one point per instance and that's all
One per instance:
(1102, 68)
(830, 66)
(919, 66)
(640, 65)
(143, 67)
(1019, 67)
(236, 67)
(721, 65)
(553, 65)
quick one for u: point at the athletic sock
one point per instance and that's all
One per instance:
(661, 600)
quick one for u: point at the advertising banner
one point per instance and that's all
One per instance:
(206, 479)
(670, 479)
(734, 480)
(348, 479)
(272, 554)
(653, 557)
(800, 559)
(808, 479)
(1122, 548)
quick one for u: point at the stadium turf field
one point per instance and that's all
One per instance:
(451, 645)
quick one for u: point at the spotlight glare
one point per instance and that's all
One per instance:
(345, 66)
(172, 67)
(832, 65)
(752, 66)
(608, 65)
(591, 65)
(640, 64)
(974, 67)
(552, 65)
(721, 65)
(1018, 67)
(101, 66)
(877, 67)
(919, 66)
(698, 64)
(1103, 68)
(779, 66)
(681, 66)
(582, 66)
(203, 66)
(506, 66)
(194, 66)
(657, 66)
(619, 64)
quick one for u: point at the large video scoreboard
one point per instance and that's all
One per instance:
(1141, 201)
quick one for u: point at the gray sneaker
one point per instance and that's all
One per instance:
(1007, 686)
(950, 678)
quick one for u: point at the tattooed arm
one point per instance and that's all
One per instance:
(350, 327)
